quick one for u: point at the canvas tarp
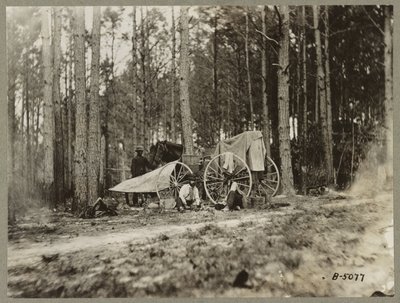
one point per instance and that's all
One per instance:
(147, 183)
(249, 146)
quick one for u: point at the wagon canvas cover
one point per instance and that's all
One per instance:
(248, 145)
(146, 183)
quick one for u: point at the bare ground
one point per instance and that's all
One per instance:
(285, 251)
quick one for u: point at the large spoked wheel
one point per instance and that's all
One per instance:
(169, 182)
(221, 172)
(270, 179)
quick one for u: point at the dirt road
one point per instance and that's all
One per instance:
(287, 251)
(34, 252)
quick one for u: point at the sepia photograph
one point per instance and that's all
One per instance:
(203, 151)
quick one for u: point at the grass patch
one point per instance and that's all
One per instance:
(291, 260)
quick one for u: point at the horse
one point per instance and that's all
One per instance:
(165, 152)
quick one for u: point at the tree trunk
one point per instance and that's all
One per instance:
(217, 102)
(238, 90)
(283, 104)
(102, 146)
(148, 108)
(70, 114)
(184, 83)
(94, 112)
(11, 132)
(64, 113)
(173, 75)
(322, 97)
(80, 158)
(264, 72)
(28, 152)
(305, 103)
(48, 115)
(134, 82)
(143, 75)
(248, 72)
(58, 153)
(328, 97)
(389, 90)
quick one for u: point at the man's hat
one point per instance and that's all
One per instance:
(139, 148)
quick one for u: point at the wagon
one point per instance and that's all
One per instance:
(166, 180)
(241, 159)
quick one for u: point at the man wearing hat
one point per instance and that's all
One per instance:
(139, 167)
(189, 194)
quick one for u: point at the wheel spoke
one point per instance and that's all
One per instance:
(237, 173)
(240, 178)
(180, 179)
(216, 178)
(221, 186)
(180, 169)
(216, 162)
(218, 174)
(173, 179)
(266, 184)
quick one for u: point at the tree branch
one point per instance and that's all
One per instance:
(373, 21)
(266, 37)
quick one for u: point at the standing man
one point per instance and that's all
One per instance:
(139, 167)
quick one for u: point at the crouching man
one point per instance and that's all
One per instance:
(235, 200)
(189, 195)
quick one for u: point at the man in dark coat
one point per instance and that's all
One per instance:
(139, 167)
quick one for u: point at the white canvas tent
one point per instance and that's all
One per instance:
(147, 183)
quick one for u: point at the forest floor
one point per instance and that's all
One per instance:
(288, 250)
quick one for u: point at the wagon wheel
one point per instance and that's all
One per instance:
(270, 179)
(168, 187)
(218, 177)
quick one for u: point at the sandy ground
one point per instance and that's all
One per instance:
(285, 251)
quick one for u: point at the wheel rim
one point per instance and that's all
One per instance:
(218, 180)
(269, 183)
(176, 181)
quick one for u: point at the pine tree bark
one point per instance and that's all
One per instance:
(80, 157)
(328, 98)
(264, 72)
(11, 128)
(305, 103)
(59, 154)
(184, 83)
(173, 75)
(93, 166)
(248, 72)
(217, 102)
(102, 146)
(143, 75)
(148, 115)
(134, 81)
(64, 113)
(70, 113)
(28, 152)
(48, 114)
(388, 39)
(283, 104)
(322, 97)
